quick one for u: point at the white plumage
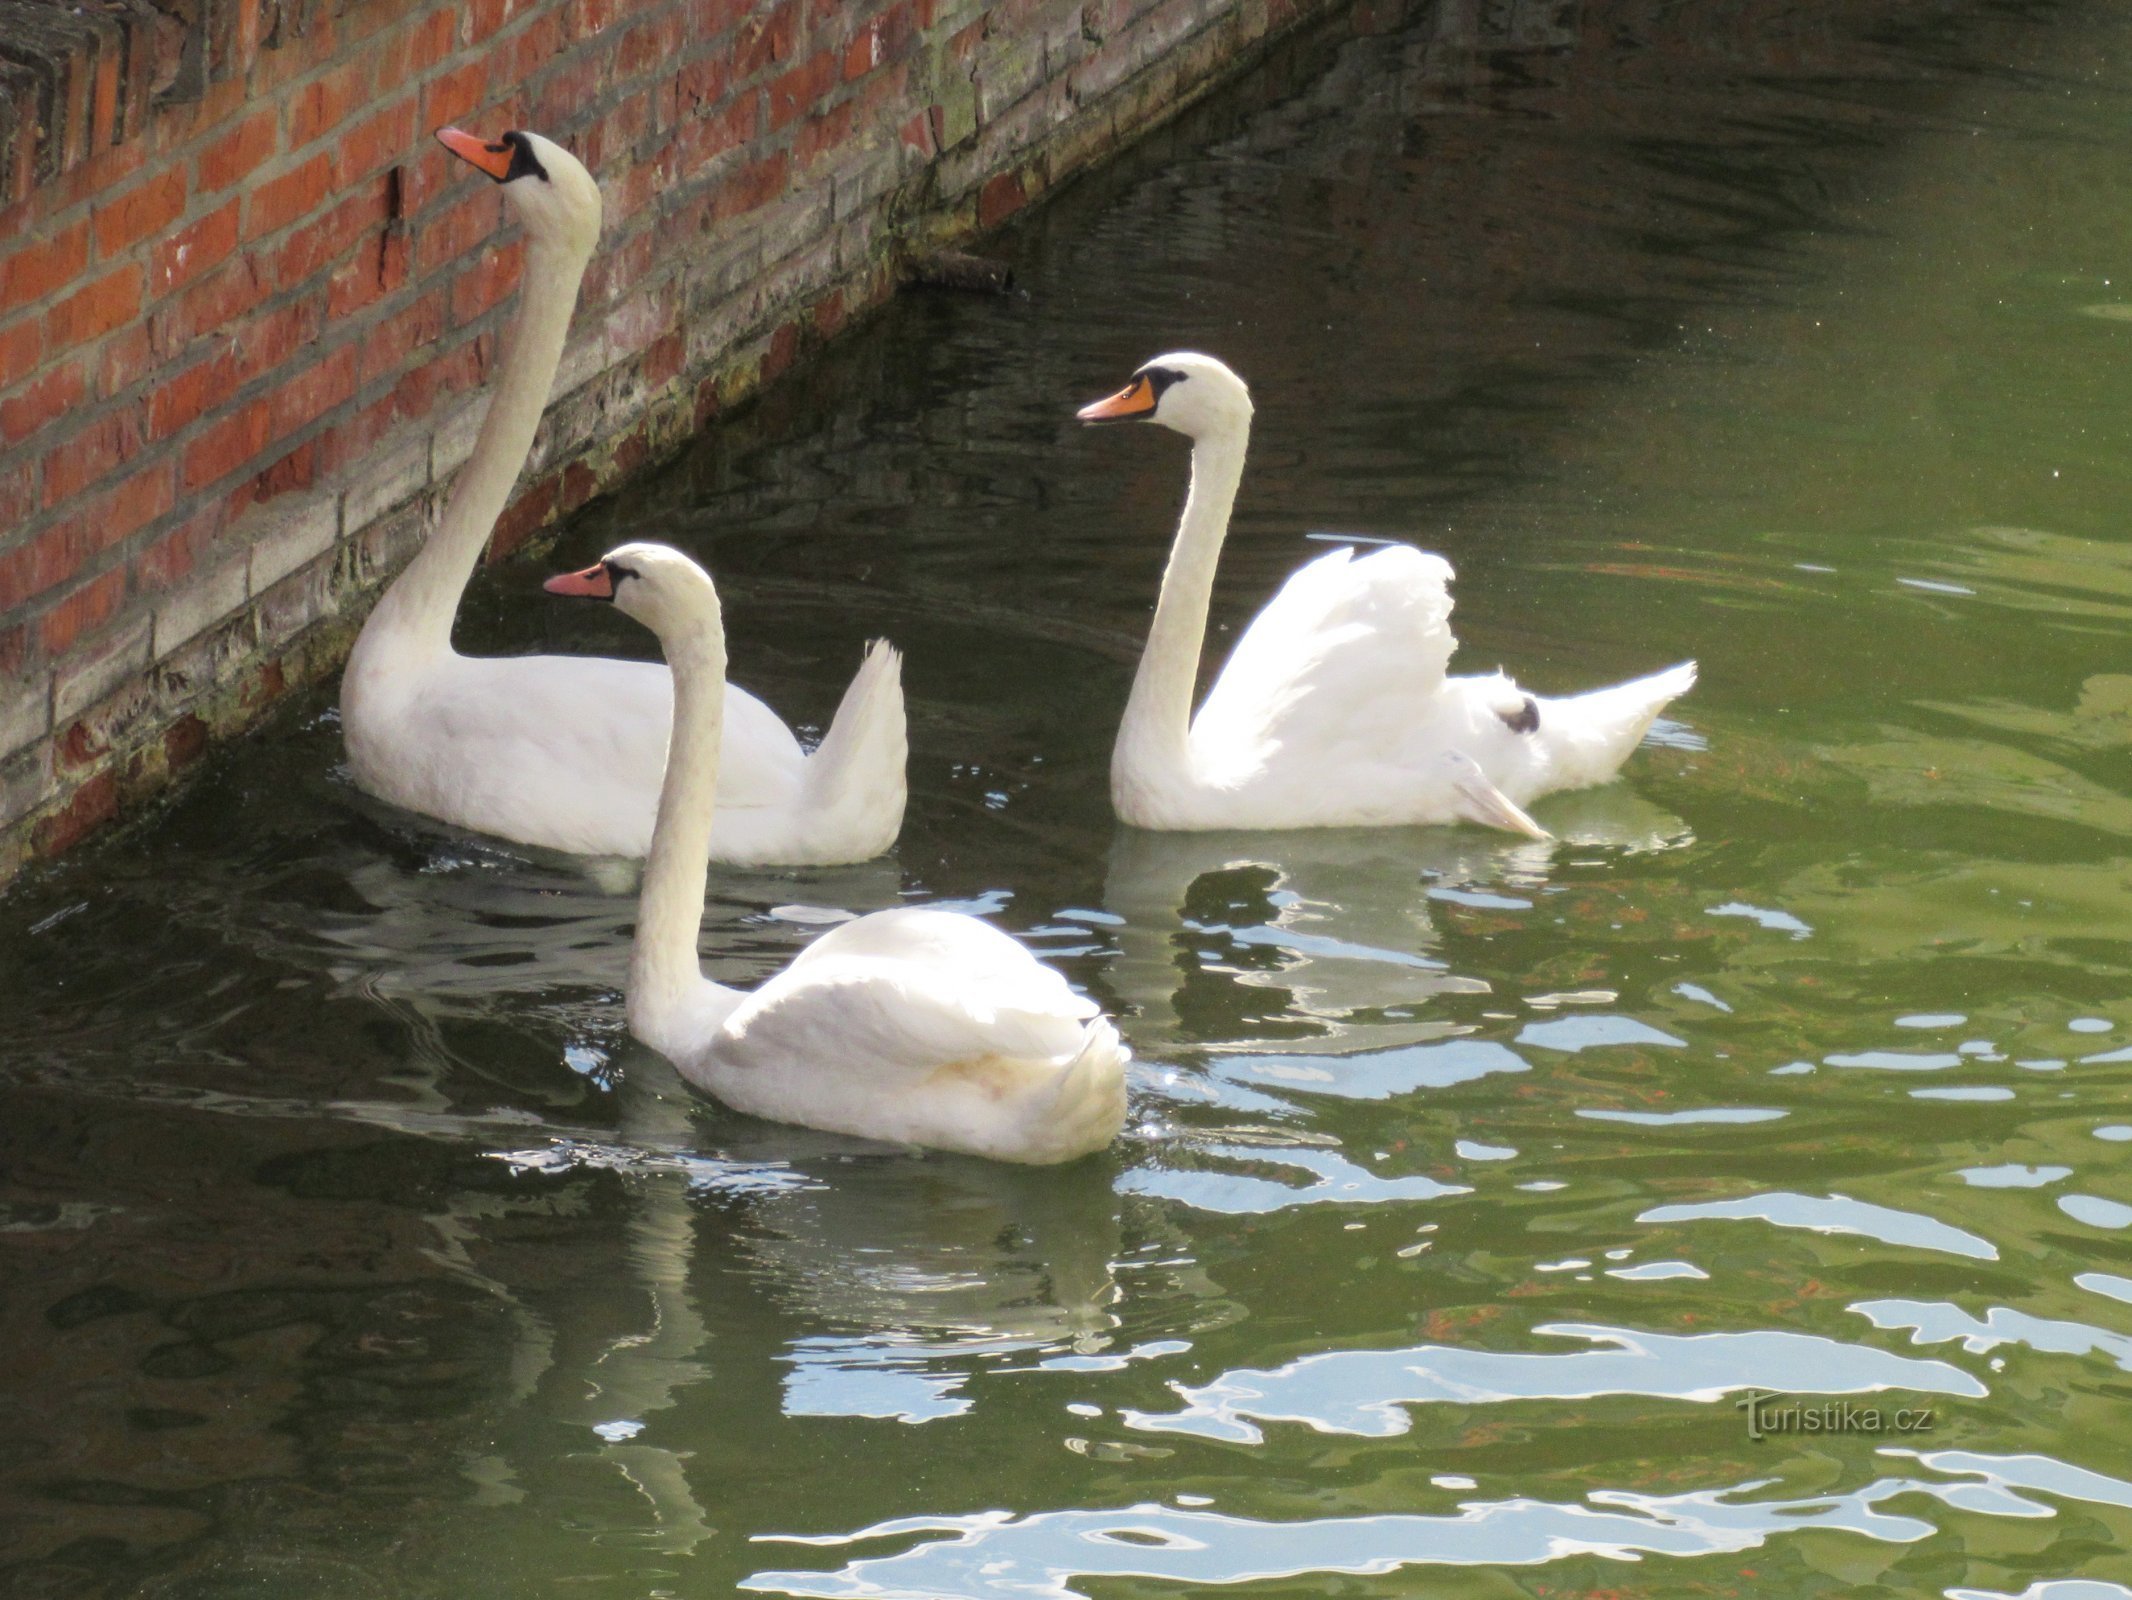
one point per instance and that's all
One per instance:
(917, 1026)
(567, 752)
(1335, 708)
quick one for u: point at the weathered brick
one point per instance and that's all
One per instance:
(284, 540)
(89, 675)
(192, 249)
(83, 611)
(326, 101)
(228, 445)
(274, 204)
(21, 345)
(94, 310)
(491, 277)
(41, 266)
(147, 208)
(235, 155)
(455, 95)
(91, 453)
(389, 478)
(25, 710)
(56, 391)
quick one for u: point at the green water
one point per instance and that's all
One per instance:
(350, 1249)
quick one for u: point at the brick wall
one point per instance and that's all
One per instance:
(243, 333)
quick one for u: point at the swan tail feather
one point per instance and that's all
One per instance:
(855, 777)
(1593, 734)
(1086, 1107)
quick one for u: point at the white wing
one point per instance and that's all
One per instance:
(1344, 658)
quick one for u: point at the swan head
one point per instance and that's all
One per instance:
(1192, 393)
(548, 187)
(655, 583)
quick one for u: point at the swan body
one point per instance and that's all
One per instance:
(1335, 708)
(568, 752)
(917, 1026)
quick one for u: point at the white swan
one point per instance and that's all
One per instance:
(925, 1027)
(1333, 709)
(567, 751)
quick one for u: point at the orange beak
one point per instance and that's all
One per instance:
(594, 583)
(1136, 399)
(494, 159)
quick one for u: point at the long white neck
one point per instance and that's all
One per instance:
(419, 607)
(1153, 734)
(670, 1002)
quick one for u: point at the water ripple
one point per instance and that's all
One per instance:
(1363, 1391)
(1835, 1213)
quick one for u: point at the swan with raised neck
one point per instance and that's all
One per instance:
(568, 753)
(913, 1026)
(1334, 709)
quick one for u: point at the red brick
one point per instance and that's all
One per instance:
(536, 46)
(664, 359)
(647, 46)
(864, 53)
(764, 38)
(87, 809)
(703, 83)
(380, 140)
(325, 102)
(453, 96)
(174, 554)
(580, 483)
(825, 132)
(56, 391)
(486, 282)
(21, 344)
(329, 238)
(588, 17)
(485, 17)
(275, 204)
(794, 93)
(194, 248)
(84, 611)
(90, 312)
(228, 445)
(91, 455)
(18, 496)
(312, 392)
(452, 231)
(295, 471)
(40, 564)
(349, 443)
(457, 371)
(752, 186)
(147, 208)
(234, 156)
(432, 41)
(192, 393)
(387, 345)
(377, 269)
(532, 508)
(1000, 198)
(184, 742)
(41, 266)
(125, 358)
(783, 351)
(211, 304)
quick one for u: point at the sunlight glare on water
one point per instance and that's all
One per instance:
(1487, 1205)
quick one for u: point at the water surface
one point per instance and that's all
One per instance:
(1479, 1193)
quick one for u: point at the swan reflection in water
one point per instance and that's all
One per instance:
(828, 1276)
(1261, 942)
